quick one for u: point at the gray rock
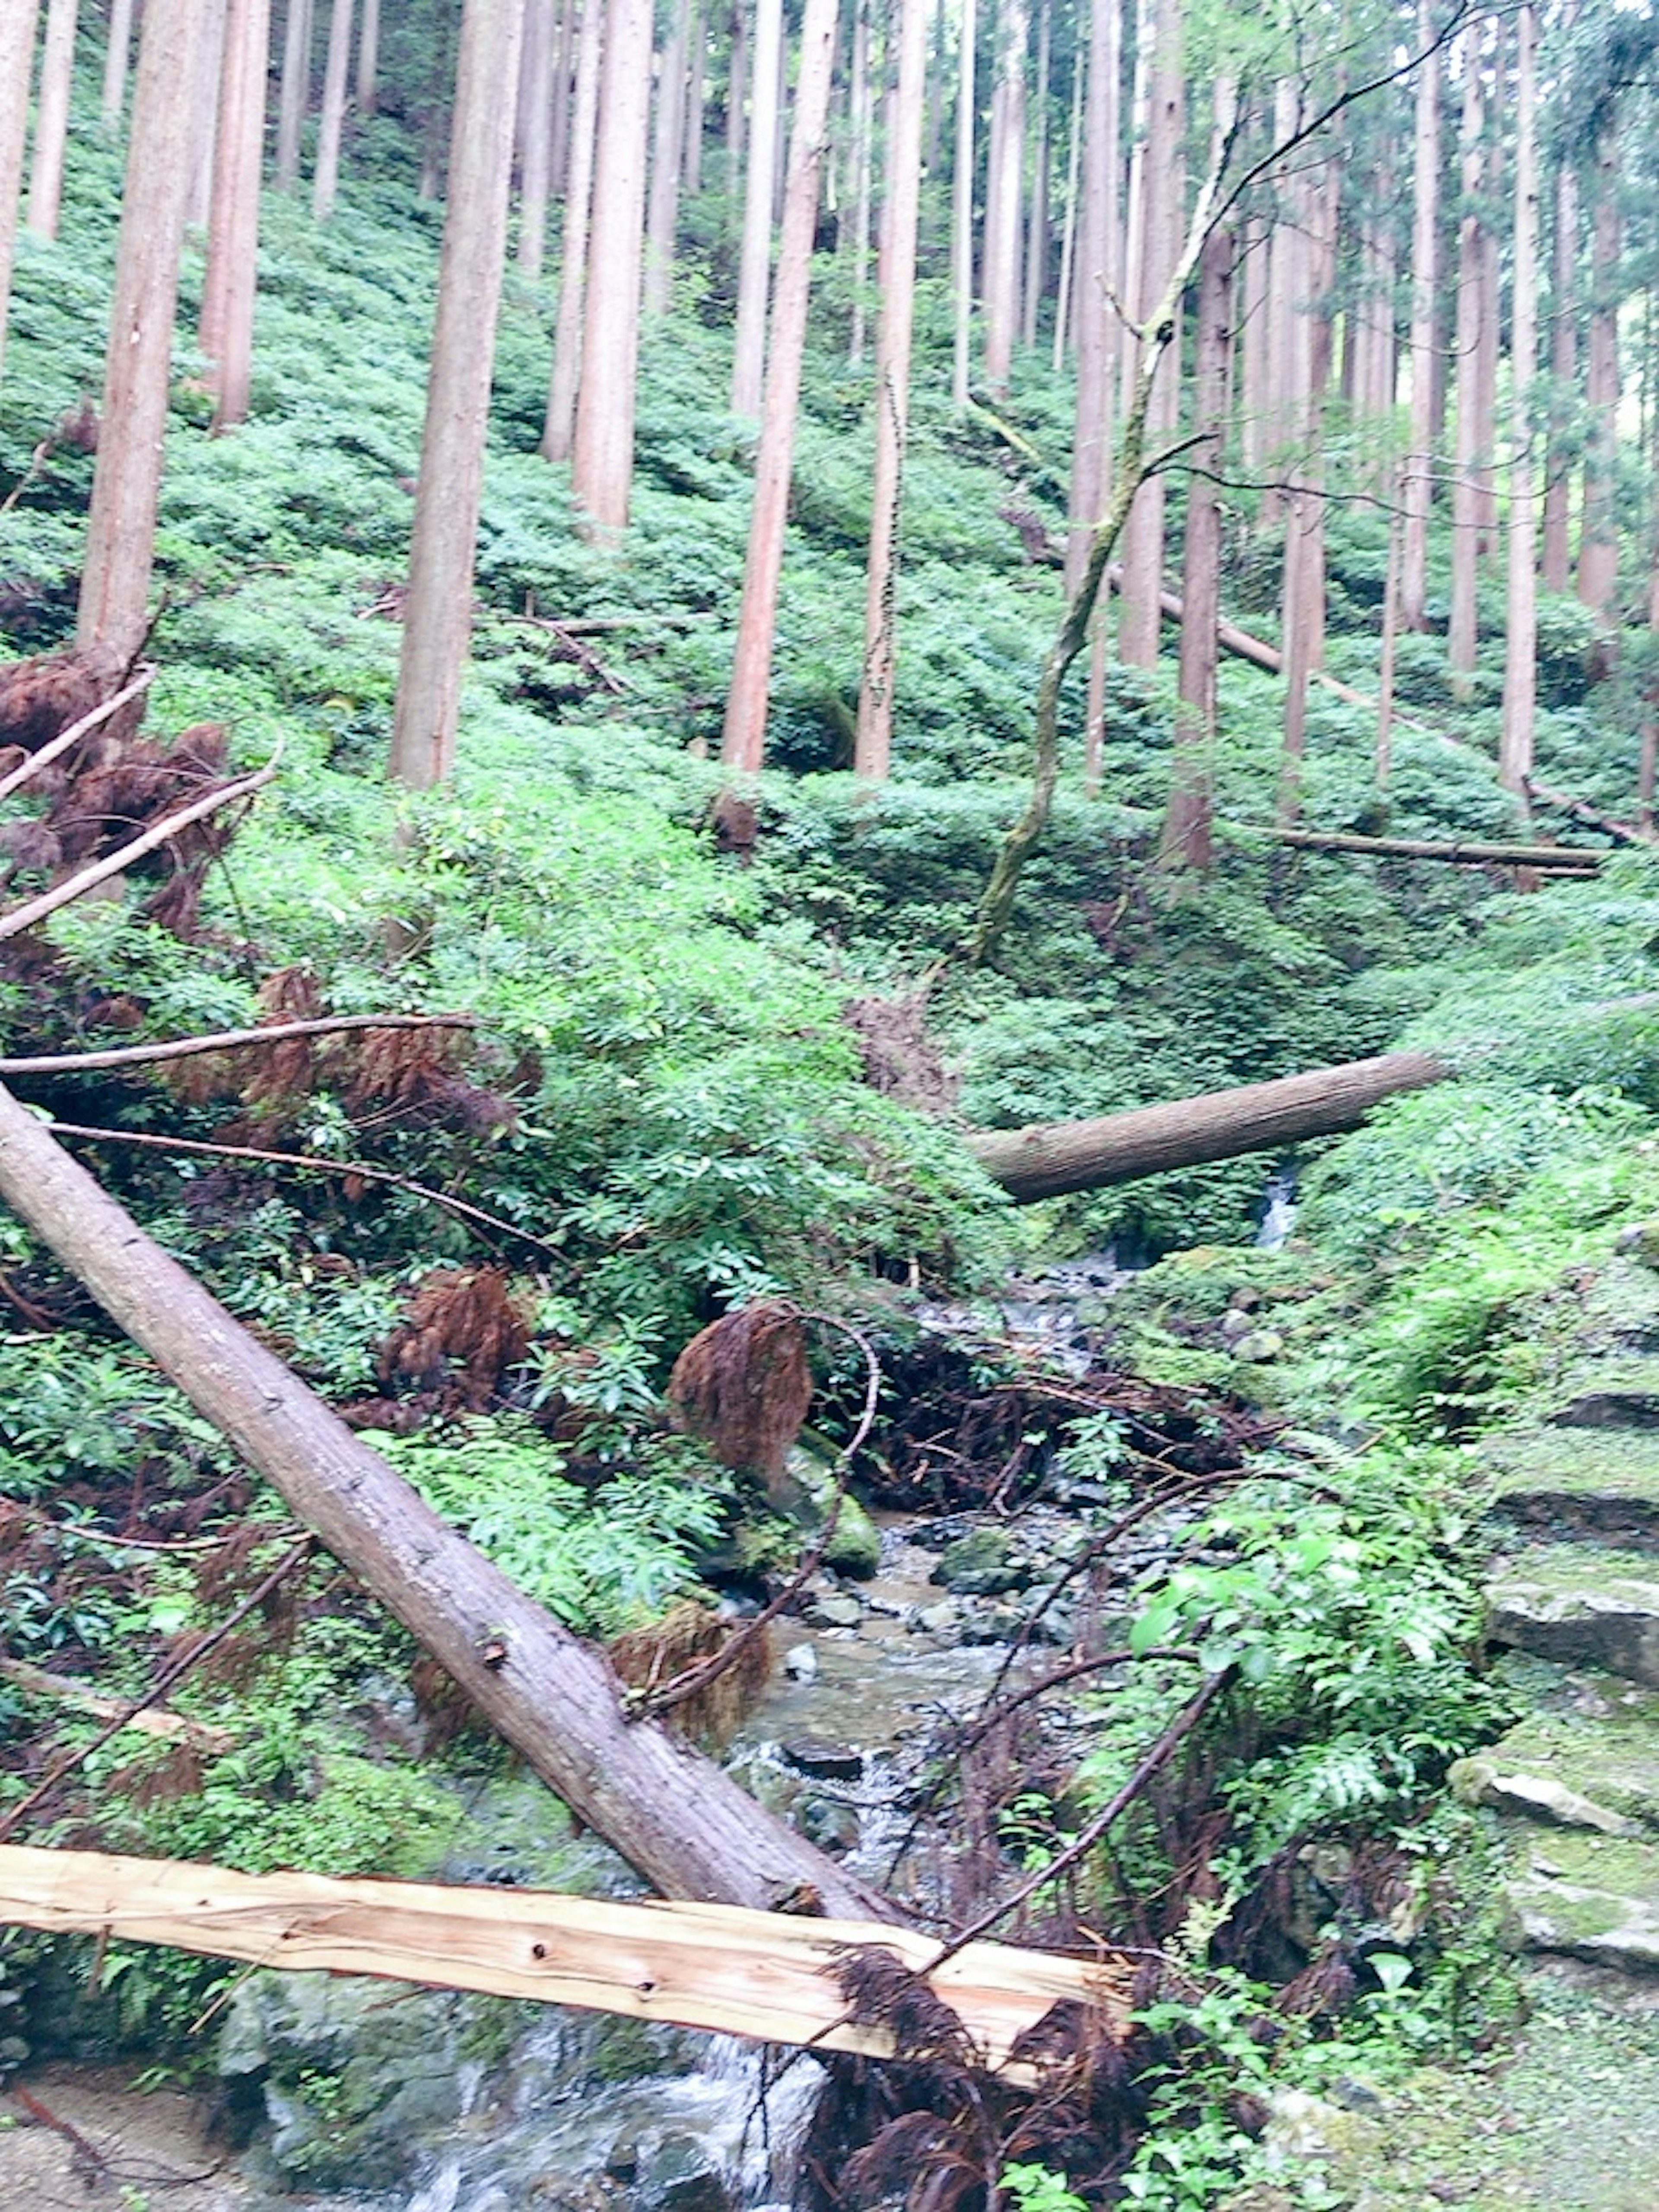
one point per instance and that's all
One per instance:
(681, 2175)
(813, 1754)
(1259, 1345)
(1483, 1781)
(800, 1663)
(938, 1619)
(1236, 1323)
(980, 1565)
(834, 1609)
(1581, 1609)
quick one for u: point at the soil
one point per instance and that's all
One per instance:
(131, 2149)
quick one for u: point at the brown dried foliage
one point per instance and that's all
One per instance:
(40, 697)
(901, 1059)
(462, 1332)
(743, 1384)
(647, 1658)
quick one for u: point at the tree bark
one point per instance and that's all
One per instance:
(438, 610)
(744, 742)
(537, 92)
(1598, 541)
(1000, 278)
(18, 21)
(749, 344)
(325, 177)
(1185, 839)
(226, 332)
(116, 54)
(1099, 240)
(662, 213)
(1051, 1159)
(1037, 235)
(1304, 537)
(52, 118)
(602, 450)
(1564, 365)
(676, 1818)
(368, 58)
(1573, 860)
(1461, 638)
(1064, 296)
(294, 96)
(559, 429)
(695, 78)
(861, 102)
(1415, 482)
(873, 745)
(1164, 222)
(962, 214)
(120, 549)
(1521, 626)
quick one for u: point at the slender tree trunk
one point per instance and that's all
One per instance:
(120, 549)
(116, 54)
(438, 610)
(749, 346)
(368, 58)
(537, 91)
(874, 743)
(677, 1818)
(1304, 540)
(1002, 193)
(1284, 363)
(745, 743)
(1252, 408)
(204, 147)
(1164, 222)
(1598, 540)
(568, 13)
(1462, 640)
(1647, 769)
(1416, 483)
(662, 217)
(1563, 368)
(602, 451)
(18, 22)
(326, 178)
(1388, 652)
(962, 212)
(226, 332)
(696, 79)
(737, 82)
(294, 97)
(1520, 648)
(863, 124)
(1186, 841)
(1063, 301)
(52, 118)
(1037, 237)
(558, 431)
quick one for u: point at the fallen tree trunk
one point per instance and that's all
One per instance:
(675, 1816)
(1562, 858)
(1052, 1158)
(761, 1974)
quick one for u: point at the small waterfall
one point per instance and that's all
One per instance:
(1278, 1210)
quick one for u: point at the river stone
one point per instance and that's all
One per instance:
(834, 1609)
(681, 2175)
(1604, 1483)
(800, 1663)
(1581, 1607)
(1483, 1781)
(856, 1547)
(833, 1762)
(938, 1619)
(979, 1565)
(1259, 1345)
(1589, 1897)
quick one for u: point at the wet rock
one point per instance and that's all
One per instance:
(854, 1549)
(800, 1663)
(1596, 1609)
(1537, 1796)
(993, 1624)
(980, 1565)
(829, 1824)
(1236, 1324)
(1259, 1345)
(1589, 1897)
(681, 2175)
(623, 2159)
(836, 1762)
(834, 1609)
(940, 1620)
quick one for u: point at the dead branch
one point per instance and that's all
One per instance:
(1561, 859)
(48, 753)
(140, 1056)
(175, 1728)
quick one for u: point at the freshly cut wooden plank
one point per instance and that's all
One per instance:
(725, 1967)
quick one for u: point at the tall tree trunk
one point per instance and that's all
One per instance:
(1186, 841)
(325, 177)
(1162, 225)
(737, 92)
(537, 74)
(294, 97)
(558, 431)
(1563, 368)
(1002, 193)
(226, 332)
(695, 80)
(1389, 650)
(1065, 297)
(1598, 539)
(120, 549)
(18, 22)
(1284, 362)
(1252, 407)
(863, 124)
(368, 58)
(874, 745)
(204, 146)
(744, 742)
(437, 609)
(962, 213)
(1461, 639)
(51, 109)
(1416, 483)
(755, 267)
(602, 451)
(1037, 236)
(568, 14)
(1521, 626)
(116, 56)
(678, 1818)
(1304, 533)
(662, 216)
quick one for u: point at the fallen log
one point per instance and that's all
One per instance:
(1465, 851)
(677, 1818)
(760, 1974)
(147, 1720)
(1052, 1158)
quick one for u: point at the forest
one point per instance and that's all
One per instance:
(828, 1105)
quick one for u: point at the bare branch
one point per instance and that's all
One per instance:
(140, 1056)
